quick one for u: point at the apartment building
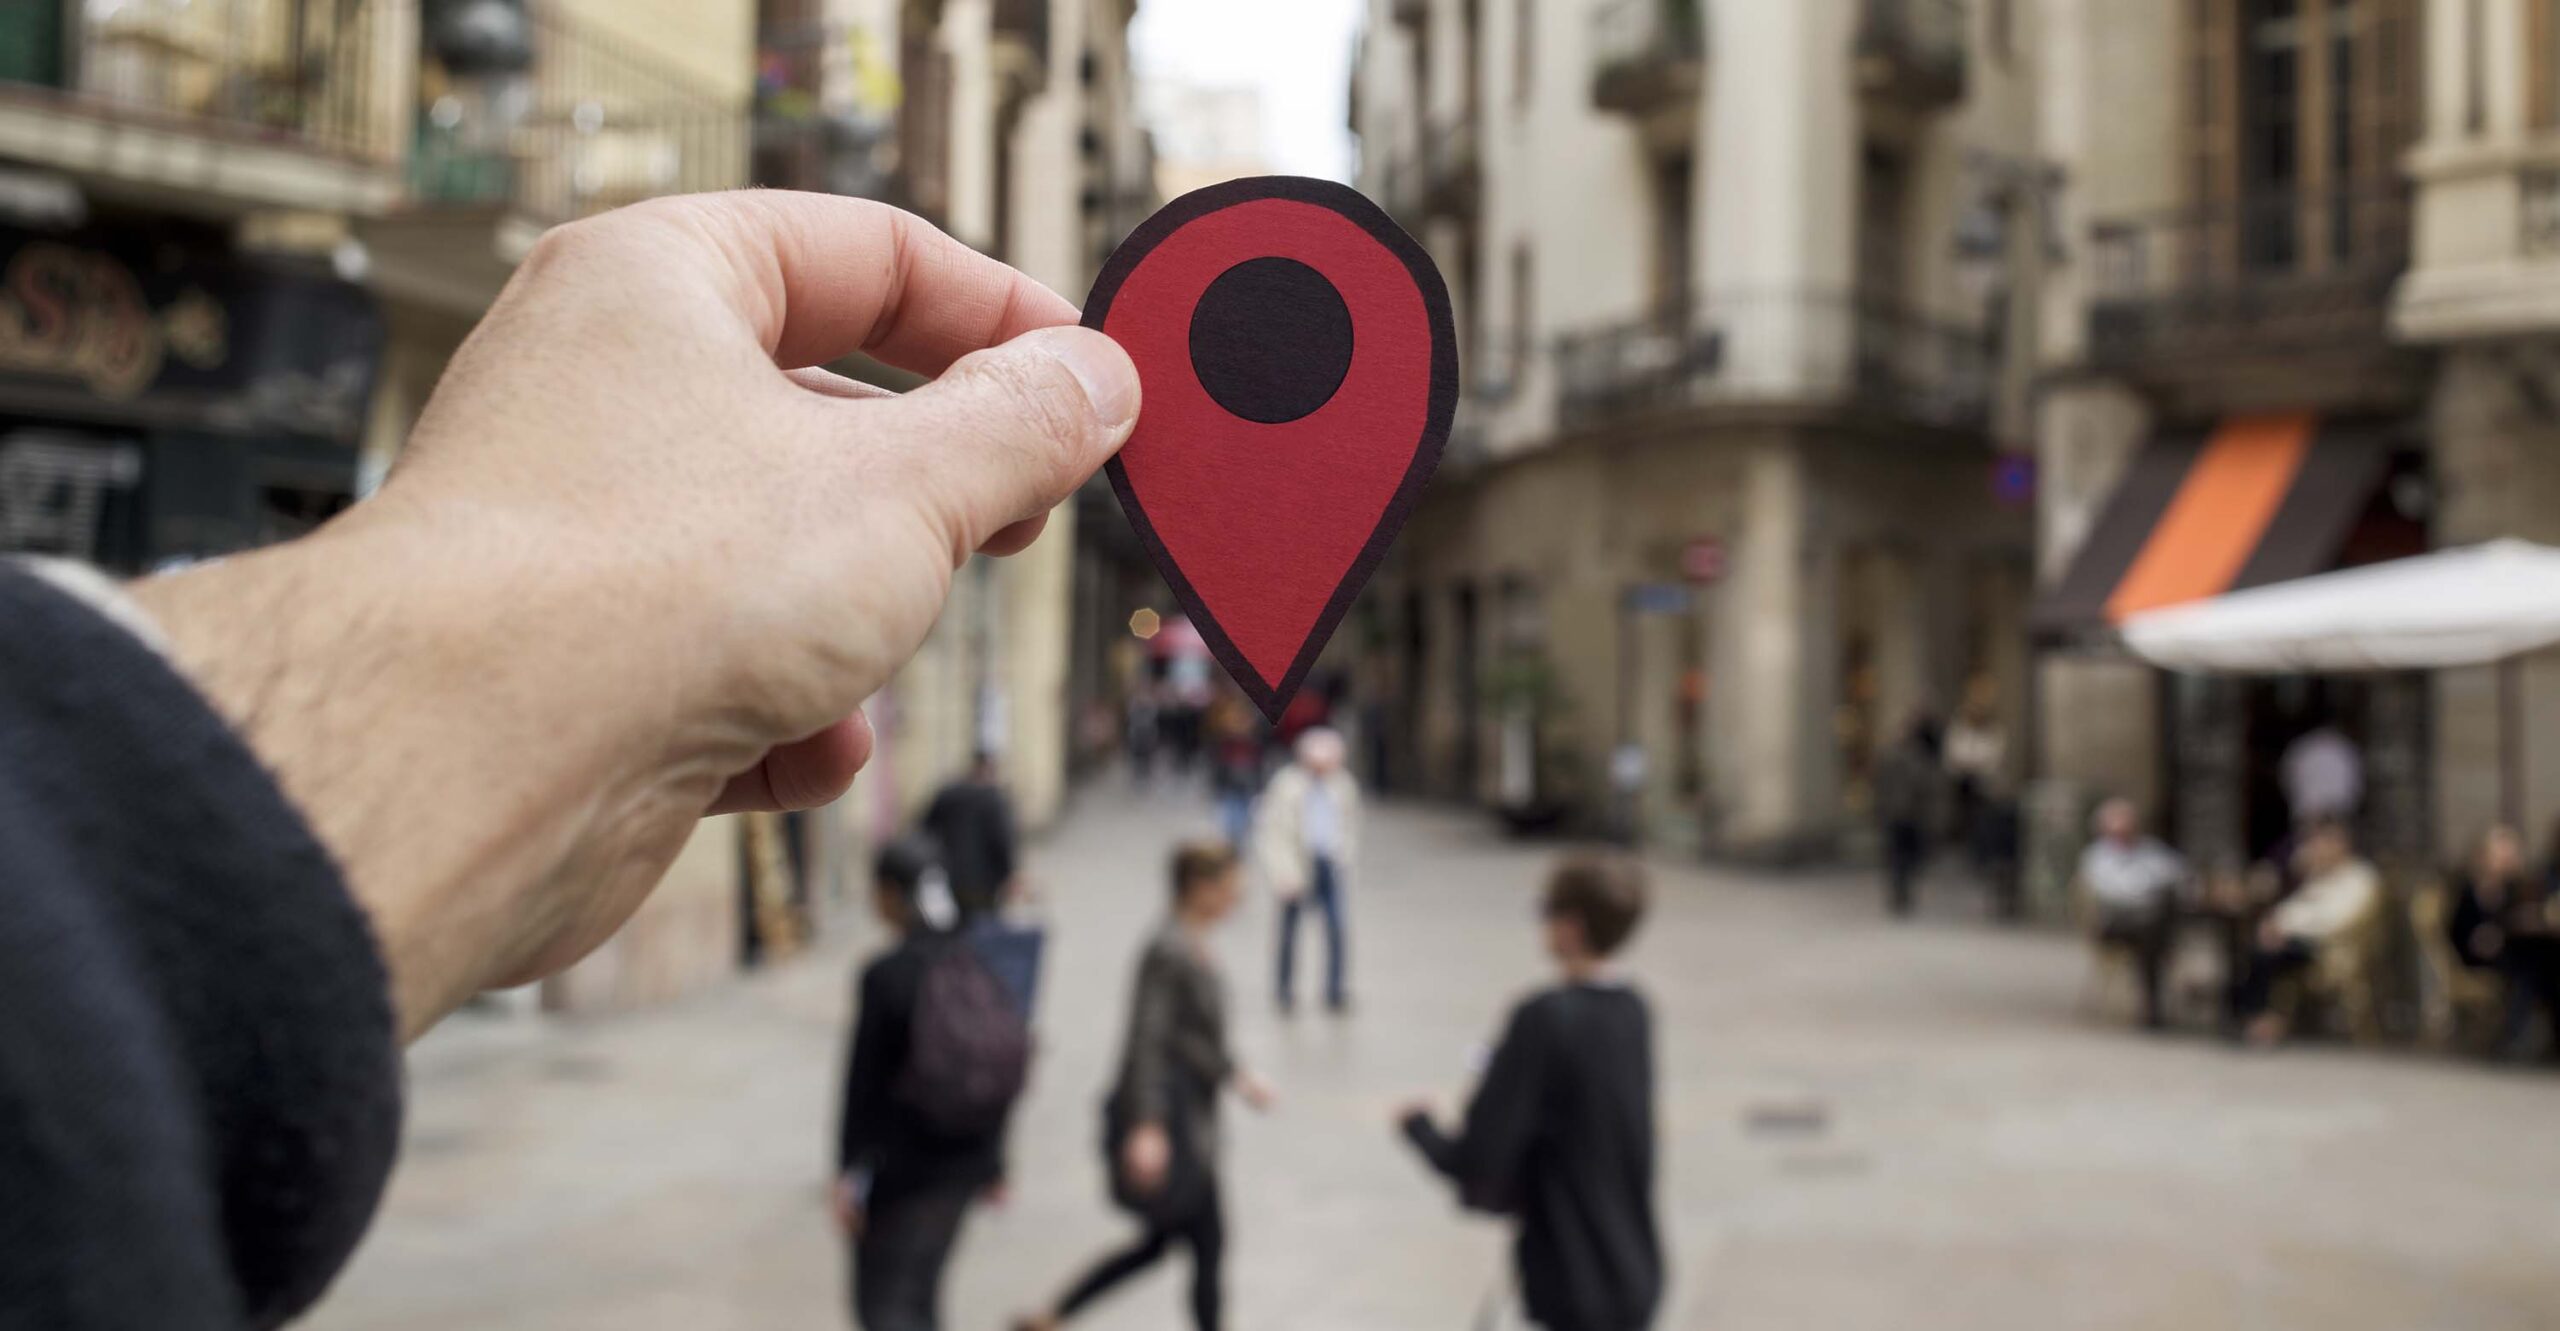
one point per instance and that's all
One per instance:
(1739, 485)
(243, 237)
(2306, 322)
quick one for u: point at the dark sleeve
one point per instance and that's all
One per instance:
(878, 1029)
(1151, 1019)
(1491, 1150)
(1002, 851)
(199, 1071)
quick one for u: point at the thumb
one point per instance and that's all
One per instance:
(1008, 432)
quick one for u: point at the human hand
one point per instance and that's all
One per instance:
(1254, 1091)
(1411, 1108)
(997, 1194)
(846, 1202)
(2270, 937)
(1146, 1154)
(639, 563)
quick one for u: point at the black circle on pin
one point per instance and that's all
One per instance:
(1271, 340)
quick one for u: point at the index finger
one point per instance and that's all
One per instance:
(821, 276)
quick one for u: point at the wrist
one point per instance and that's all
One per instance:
(399, 697)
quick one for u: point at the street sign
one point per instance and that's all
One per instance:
(1658, 598)
(1702, 560)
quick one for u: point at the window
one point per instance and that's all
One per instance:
(2300, 110)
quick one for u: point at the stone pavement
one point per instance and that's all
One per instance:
(1865, 1126)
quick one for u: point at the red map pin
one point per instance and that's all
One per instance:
(1300, 369)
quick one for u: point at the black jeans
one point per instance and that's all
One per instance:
(1325, 894)
(1905, 846)
(898, 1262)
(2146, 934)
(2267, 966)
(1204, 1231)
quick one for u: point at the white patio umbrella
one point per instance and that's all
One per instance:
(2475, 605)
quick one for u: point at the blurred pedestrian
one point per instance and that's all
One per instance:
(2340, 892)
(1908, 784)
(1977, 773)
(939, 1055)
(1160, 1122)
(2500, 923)
(971, 819)
(1306, 839)
(2323, 775)
(2132, 882)
(1560, 1132)
(1145, 732)
(1235, 765)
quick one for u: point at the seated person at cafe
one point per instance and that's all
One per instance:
(2340, 891)
(2496, 924)
(2132, 882)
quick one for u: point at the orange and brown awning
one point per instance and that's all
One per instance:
(2256, 499)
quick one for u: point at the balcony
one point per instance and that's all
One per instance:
(1799, 352)
(1648, 58)
(2290, 292)
(1398, 180)
(593, 124)
(1022, 43)
(808, 135)
(1912, 53)
(1451, 181)
(219, 106)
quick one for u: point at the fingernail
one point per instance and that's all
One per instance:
(1109, 378)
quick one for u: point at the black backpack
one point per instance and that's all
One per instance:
(968, 1047)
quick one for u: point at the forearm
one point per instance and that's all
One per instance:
(1434, 1145)
(406, 695)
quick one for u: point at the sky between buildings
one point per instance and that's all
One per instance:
(1294, 54)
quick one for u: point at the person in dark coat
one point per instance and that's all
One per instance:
(2500, 922)
(1908, 788)
(1161, 1121)
(903, 1186)
(1560, 1133)
(971, 819)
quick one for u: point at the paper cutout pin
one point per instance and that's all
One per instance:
(1300, 369)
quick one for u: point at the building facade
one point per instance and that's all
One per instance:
(2304, 323)
(1738, 487)
(240, 239)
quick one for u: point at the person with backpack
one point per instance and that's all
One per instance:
(941, 1050)
(1560, 1132)
(1160, 1122)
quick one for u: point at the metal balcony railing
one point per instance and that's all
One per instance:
(2271, 272)
(1913, 48)
(1449, 176)
(307, 75)
(1646, 52)
(1781, 349)
(2538, 213)
(595, 124)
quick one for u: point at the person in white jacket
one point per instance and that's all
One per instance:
(2340, 891)
(1306, 837)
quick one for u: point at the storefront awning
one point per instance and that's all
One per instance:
(2255, 500)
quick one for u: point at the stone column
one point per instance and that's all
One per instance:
(1762, 659)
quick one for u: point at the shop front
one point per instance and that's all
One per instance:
(165, 398)
(2240, 503)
